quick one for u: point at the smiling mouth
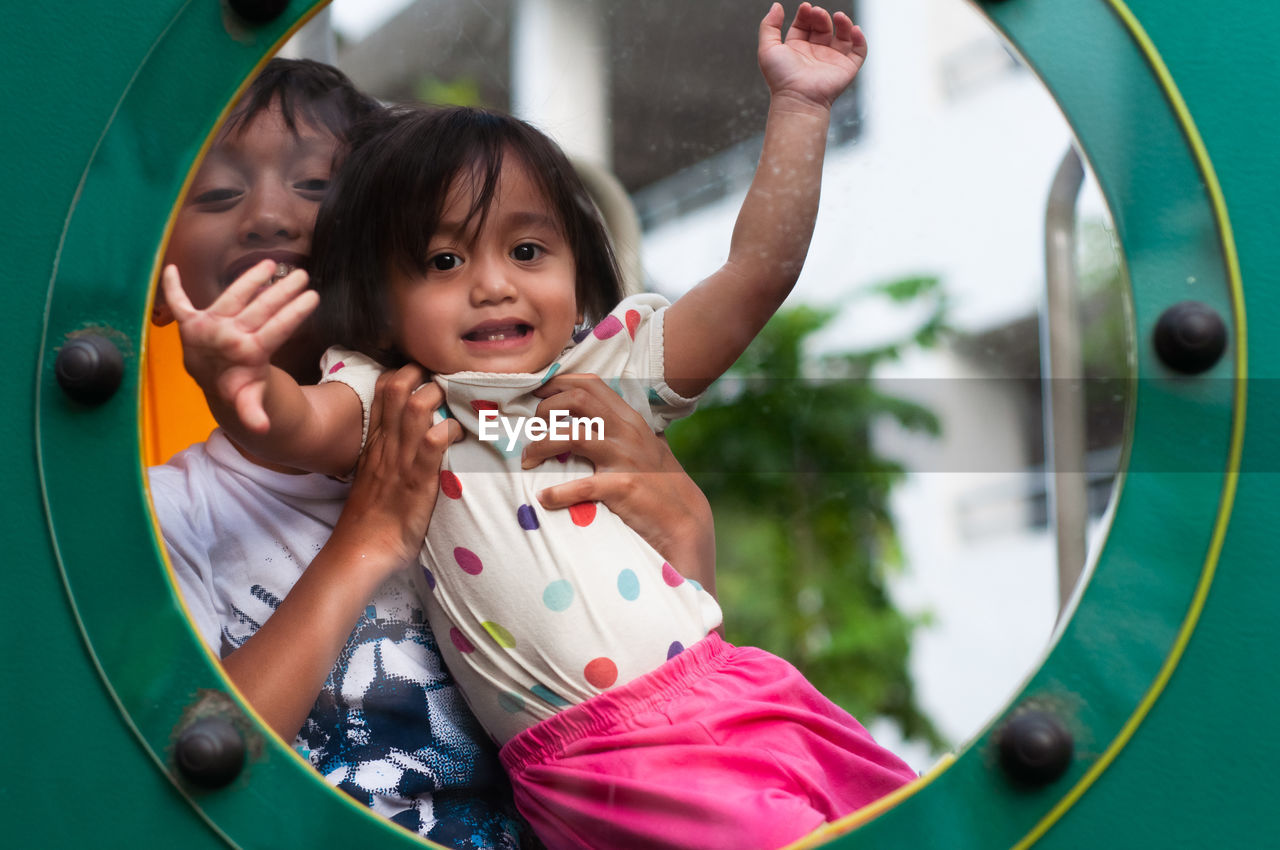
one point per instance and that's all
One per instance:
(285, 264)
(498, 333)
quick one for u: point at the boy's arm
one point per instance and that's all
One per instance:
(636, 475)
(282, 667)
(710, 326)
(227, 349)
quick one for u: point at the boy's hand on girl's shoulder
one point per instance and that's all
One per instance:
(818, 59)
(227, 347)
(398, 474)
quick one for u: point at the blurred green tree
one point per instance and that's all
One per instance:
(805, 539)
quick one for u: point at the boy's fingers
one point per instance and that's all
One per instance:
(570, 493)
(378, 405)
(541, 450)
(445, 433)
(572, 386)
(415, 424)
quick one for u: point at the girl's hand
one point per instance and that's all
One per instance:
(818, 60)
(636, 476)
(227, 347)
(397, 477)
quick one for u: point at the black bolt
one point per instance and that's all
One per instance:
(1190, 337)
(1035, 747)
(89, 368)
(258, 11)
(210, 752)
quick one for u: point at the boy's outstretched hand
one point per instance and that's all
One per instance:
(227, 347)
(819, 58)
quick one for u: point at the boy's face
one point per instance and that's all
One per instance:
(500, 299)
(255, 197)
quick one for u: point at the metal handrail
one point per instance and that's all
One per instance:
(1061, 372)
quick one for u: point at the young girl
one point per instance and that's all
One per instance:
(462, 240)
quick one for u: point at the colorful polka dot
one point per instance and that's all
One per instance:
(656, 400)
(601, 673)
(558, 595)
(499, 634)
(582, 513)
(371, 612)
(607, 327)
(629, 585)
(581, 335)
(670, 576)
(527, 518)
(444, 412)
(545, 694)
(633, 322)
(675, 649)
(555, 367)
(563, 457)
(460, 640)
(510, 703)
(450, 485)
(336, 366)
(695, 584)
(431, 580)
(615, 384)
(480, 404)
(468, 561)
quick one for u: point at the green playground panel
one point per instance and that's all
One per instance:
(1158, 673)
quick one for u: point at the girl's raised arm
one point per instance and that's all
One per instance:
(708, 328)
(227, 349)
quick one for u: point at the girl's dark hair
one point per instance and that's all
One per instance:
(306, 90)
(387, 198)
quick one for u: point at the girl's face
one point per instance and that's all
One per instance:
(498, 299)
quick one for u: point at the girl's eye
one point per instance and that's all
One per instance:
(444, 262)
(526, 252)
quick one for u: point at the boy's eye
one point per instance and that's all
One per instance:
(318, 185)
(216, 196)
(526, 252)
(444, 262)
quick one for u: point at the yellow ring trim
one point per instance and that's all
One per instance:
(1236, 289)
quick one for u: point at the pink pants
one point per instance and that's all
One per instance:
(721, 747)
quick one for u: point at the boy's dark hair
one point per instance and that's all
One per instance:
(387, 199)
(307, 90)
